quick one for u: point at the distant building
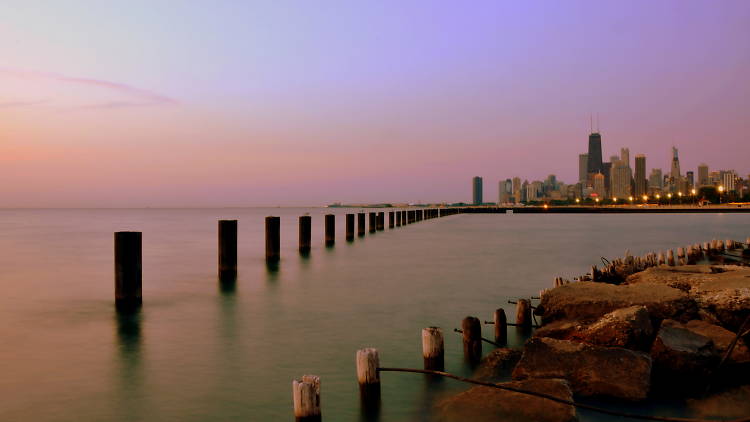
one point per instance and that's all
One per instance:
(690, 182)
(728, 181)
(703, 176)
(640, 175)
(619, 180)
(675, 178)
(655, 181)
(476, 189)
(517, 195)
(625, 156)
(595, 164)
(583, 163)
(599, 187)
(505, 191)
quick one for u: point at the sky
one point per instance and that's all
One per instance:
(225, 103)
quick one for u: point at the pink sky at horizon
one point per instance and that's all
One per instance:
(287, 104)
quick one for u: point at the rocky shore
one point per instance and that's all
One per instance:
(660, 331)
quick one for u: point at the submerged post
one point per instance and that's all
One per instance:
(391, 219)
(330, 229)
(373, 222)
(368, 378)
(305, 233)
(501, 327)
(472, 336)
(433, 349)
(398, 218)
(128, 271)
(227, 248)
(350, 227)
(523, 314)
(381, 221)
(360, 224)
(273, 239)
(306, 398)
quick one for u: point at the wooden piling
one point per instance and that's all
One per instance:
(523, 314)
(398, 218)
(227, 249)
(305, 233)
(433, 347)
(330, 229)
(273, 239)
(306, 399)
(349, 227)
(368, 377)
(381, 221)
(373, 222)
(472, 336)
(661, 258)
(670, 258)
(360, 224)
(681, 256)
(501, 327)
(128, 271)
(391, 219)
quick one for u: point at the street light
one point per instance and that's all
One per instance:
(578, 200)
(721, 190)
(645, 198)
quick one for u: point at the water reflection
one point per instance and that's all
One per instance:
(129, 352)
(272, 270)
(228, 284)
(369, 402)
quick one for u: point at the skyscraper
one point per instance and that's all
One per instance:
(690, 176)
(675, 172)
(476, 187)
(620, 180)
(583, 166)
(640, 175)
(505, 191)
(625, 156)
(595, 164)
(599, 187)
(655, 181)
(703, 179)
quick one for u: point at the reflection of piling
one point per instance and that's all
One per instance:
(381, 221)
(373, 222)
(306, 399)
(368, 378)
(128, 271)
(273, 239)
(472, 336)
(501, 329)
(360, 224)
(330, 229)
(227, 249)
(350, 227)
(433, 347)
(305, 233)
(391, 220)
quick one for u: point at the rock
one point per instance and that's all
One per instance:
(627, 327)
(682, 359)
(590, 370)
(497, 364)
(731, 404)
(588, 301)
(480, 404)
(721, 339)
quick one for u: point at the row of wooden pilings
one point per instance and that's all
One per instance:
(618, 269)
(306, 390)
(128, 245)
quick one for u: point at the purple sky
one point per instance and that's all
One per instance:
(305, 103)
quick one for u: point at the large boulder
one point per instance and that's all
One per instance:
(589, 301)
(497, 365)
(487, 404)
(721, 338)
(682, 359)
(590, 370)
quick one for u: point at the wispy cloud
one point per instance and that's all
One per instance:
(137, 97)
(13, 104)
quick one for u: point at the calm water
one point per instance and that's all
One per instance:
(200, 352)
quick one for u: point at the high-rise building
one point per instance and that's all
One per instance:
(655, 181)
(599, 187)
(728, 181)
(640, 175)
(620, 180)
(703, 175)
(476, 189)
(583, 166)
(517, 196)
(674, 173)
(625, 156)
(690, 182)
(505, 191)
(595, 164)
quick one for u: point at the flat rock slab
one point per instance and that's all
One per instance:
(589, 301)
(485, 404)
(497, 364)
(590, 370)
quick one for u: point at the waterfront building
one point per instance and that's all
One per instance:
(476, 190)
(640, 175)
(655, 181)
(703, 175)
(714, 178)
(625, 156)
(607, 172)
(620, 180)
(517, 190)
(674, 173)
(728, 181)
(505, 191)
(690, 182)
(524, 191)
(595, 164)
(583, 162)
(599, 186)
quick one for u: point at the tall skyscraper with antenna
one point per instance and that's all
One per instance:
(595, 164)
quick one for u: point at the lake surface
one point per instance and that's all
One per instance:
(202, 351)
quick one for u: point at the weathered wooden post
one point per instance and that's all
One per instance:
(373, 222)
(305, 234)
(523, 314)
(368, 378)
(729, 244)
(128, 271)
(472, 336)
(381, 221)
(306, 398)
(670, 258)
(681, 256)
(391, 219)
(661, 260)
(227, 249)
(501, 327)
(273, 239)
(433, 347)
(360, 224)
(330, 229)
(398, 218)
(349, 227)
